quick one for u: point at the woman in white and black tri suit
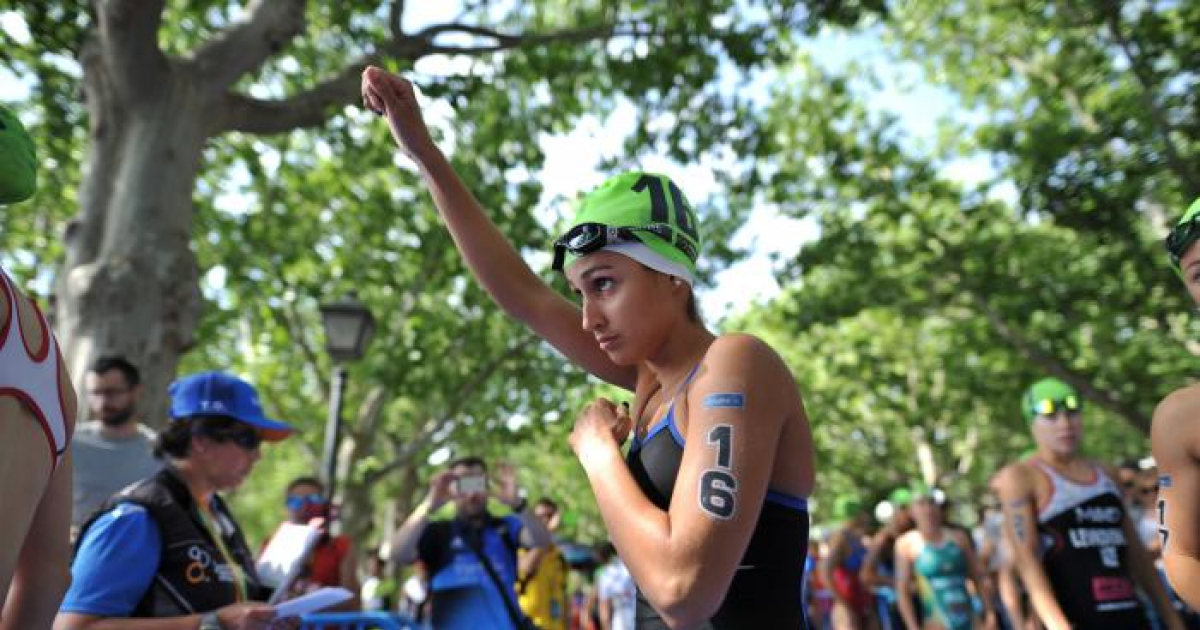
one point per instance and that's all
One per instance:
(37, 416)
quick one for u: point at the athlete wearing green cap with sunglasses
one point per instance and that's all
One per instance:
(1175, 440)
(709, 510)
(1073, 545)
(37, 413)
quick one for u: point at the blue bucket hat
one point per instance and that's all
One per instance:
(225, 395)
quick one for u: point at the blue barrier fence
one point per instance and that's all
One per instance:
(357, 621)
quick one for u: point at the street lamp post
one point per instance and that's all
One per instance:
(348, 329)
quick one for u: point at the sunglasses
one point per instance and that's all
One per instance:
(298, 501)
(245, 437)
(1050, 407)
(586, 238)
(1181, 238)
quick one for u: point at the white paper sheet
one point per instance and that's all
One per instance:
(312, 602)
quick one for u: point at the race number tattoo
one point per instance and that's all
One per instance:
(1019, 527)
(718, 487)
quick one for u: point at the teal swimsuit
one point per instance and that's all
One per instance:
(942, 583)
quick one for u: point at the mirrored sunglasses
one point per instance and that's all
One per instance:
(1050, 407)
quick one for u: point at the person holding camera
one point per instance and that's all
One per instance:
(471, 560)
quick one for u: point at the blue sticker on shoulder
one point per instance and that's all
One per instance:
(724, 401)
(1164, 481)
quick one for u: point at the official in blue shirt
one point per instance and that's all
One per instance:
(167, 548)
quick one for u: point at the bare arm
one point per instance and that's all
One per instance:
(1010, 595)
(527, 563)
(606, 612)
(830, 561)
(983, 586)
(493, 261)
(1176, 445)
(43, 568)
(869, 574)
(404, 541)
(1018, 498)
(1146, 576)
(903, 585)
(684, 559)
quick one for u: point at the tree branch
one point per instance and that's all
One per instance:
(129, 38)
(246, 44)
(1183, 170)
(506, 42)
(1056, 368)
(311, 108)
(395, 15)
(427, 430)
(304, 110)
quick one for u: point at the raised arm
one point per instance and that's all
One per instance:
(685, 558)
(1020, 529)
(1141, 568)
(869, 573)
(983, 586)
(493, 261)
(404, 541)
(904, 569)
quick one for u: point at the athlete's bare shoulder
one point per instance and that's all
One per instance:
(1176, 428)
(742, 351)
(1015, 479)
(906, 540)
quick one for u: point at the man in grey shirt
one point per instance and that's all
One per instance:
(111, 450)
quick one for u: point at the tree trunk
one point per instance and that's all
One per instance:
(130, 281)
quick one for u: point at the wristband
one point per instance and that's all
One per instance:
(210, 621)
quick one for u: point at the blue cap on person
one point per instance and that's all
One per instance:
(221, 394)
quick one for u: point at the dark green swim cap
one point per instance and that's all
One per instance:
(636, 200)
(18, 161)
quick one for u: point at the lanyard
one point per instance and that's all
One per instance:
(239, 576)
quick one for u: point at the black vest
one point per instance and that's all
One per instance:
(192, 576)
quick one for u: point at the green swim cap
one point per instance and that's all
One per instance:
(846, 508)
(921, 490)
(18, 161)
(1183, 235)
(643, 200)
(900, 497)
(1048, 389)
